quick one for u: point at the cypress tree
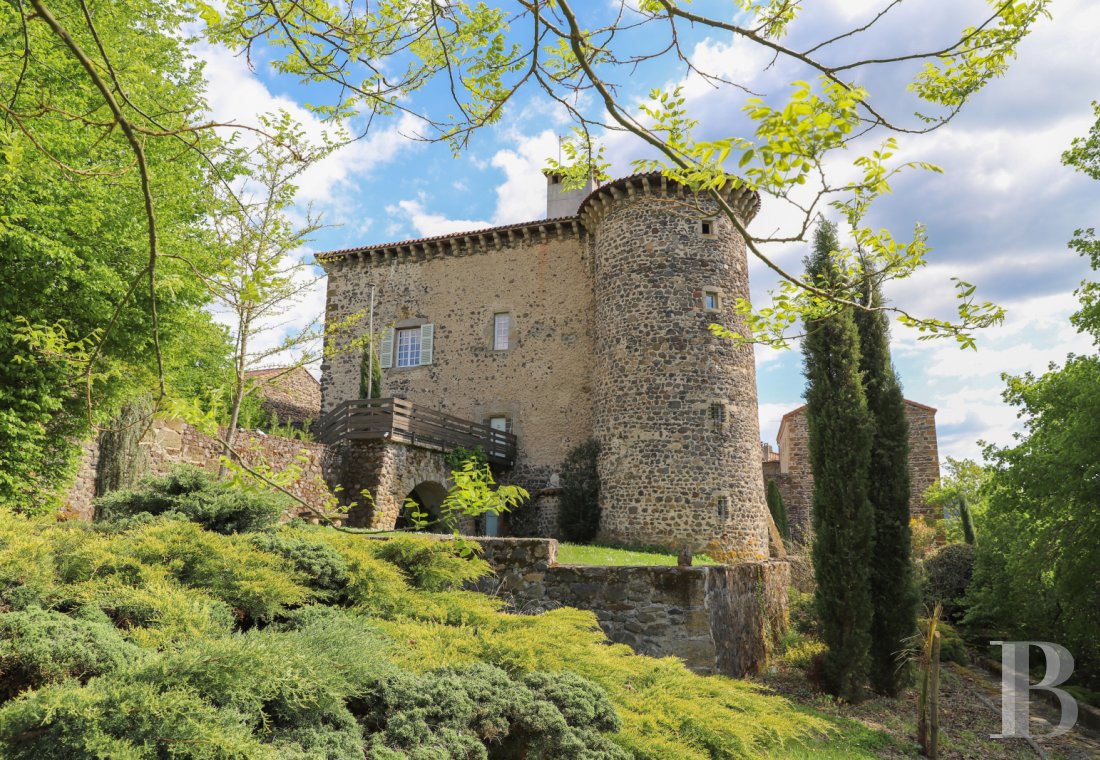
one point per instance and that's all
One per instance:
(778, 509)
(893, 588)
(369, 367)
(967, 521)
(840, 451)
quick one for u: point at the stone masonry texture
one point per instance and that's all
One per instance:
(675, 406)
(609, 338)
(169, 442)
(541, 382)
(796, 482)
(717, 619)
(292, 394)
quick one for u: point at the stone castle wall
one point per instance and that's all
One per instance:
(796, 481)
(675, 407)
(168, 443)
(718, 619)
(924, 458)
(541, 383)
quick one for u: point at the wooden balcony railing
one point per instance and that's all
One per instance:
(399, 420)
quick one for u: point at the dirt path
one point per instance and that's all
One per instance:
(969, 713)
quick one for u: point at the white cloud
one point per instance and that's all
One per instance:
(235, 94)
(428, 224)
(520, 195)
(770, 417)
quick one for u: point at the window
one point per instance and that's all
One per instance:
(706, 227)
(502, 326)
(711, 300)
(408, 347)
(723, 507)
(718, 417)
(502, 424)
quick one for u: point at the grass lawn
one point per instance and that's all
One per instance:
(575, 554)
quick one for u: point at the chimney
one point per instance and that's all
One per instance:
(560, 202)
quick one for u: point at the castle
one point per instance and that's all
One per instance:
(534, 337)
(531, 338)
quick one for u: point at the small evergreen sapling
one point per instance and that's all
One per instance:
(967, 521)
(778, 509)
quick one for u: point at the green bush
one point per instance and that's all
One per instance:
(947, 575)
(38, 647)
(113, 718)
(257, 585)
(952, 647)
(222, 647)
(321, 567)
(429, 564)
(579, 510)
(479, 711)
(200, 497)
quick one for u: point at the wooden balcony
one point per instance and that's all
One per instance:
(398, 420)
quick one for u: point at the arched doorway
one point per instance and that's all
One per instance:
(428, 496)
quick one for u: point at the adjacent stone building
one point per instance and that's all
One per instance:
(291, 394)
(791, 467)
(590, 323)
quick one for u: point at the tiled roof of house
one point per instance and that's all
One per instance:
(291, 393)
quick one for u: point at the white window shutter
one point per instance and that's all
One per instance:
(385, 350)
(427, 343)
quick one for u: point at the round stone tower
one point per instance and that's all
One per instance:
(675, 407)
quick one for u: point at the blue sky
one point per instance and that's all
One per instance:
(999, 217)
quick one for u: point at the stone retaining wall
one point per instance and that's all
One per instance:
(168, 443)
(717, 619)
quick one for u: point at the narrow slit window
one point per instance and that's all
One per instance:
(711, 300)
(502, 327)
(718, 416)
(723, 507)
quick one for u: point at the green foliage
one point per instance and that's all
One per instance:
(474, 493)
(893, 587)
(321, 566)
(428, 563)
(966, 521)
(379, 664)
(777, 508)
(478, 711)
(73, 241)
(579, 503)
(952, 646)
(947, 576)
(73, 722)
(460, 455)
(200, 497)
(39, 647)
(1035, 575)
(840, 439)
(370, 369)
(121, 459)
(962, 481)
